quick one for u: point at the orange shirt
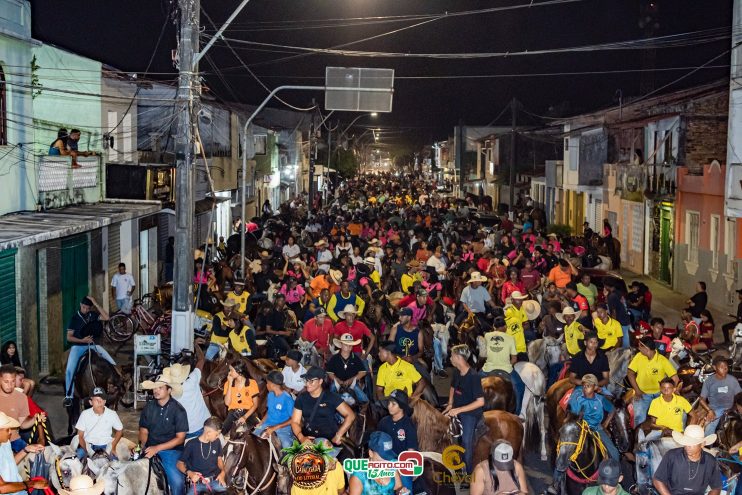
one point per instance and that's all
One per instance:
(320, 282)
(560, 277)
(242, 398)
(355, 229)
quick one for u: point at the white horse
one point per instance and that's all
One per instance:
(63, 465)
(532, 406)
(618, 363)
(547, 351)
(309, 352)
(129, 478)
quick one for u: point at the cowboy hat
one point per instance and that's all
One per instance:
(347, 339)
(413, 264)
(297, 261)
(82, 484)
(370, 260)
(476, 277)
(229, 303)
(693, 435)
(8, 422)
(320, 243)
(532, 309)
(349, 308)
(374, 242)
(165, 378)
(255, 266)
(179, 372)
(569, 310)
(336, 276)
(266, 255)
(517, 295)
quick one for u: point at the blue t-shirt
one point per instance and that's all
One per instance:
(592, 410)
(475, 299)
(280, 408)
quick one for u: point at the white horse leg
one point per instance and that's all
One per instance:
(540, 414)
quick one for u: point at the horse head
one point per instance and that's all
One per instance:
(730, 430)
(569, 435)
(498, 393)
(620, 427)
(618, 363)
(65, 464)
(244, 450)
(309, 353)
(434, 423)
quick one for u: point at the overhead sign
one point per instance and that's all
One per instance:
(356, 89)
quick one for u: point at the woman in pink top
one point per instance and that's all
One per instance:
(294, 295)
(513, 284)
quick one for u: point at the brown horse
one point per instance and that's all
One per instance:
(498, 394)
(252, 464)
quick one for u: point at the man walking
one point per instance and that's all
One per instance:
(124, 285)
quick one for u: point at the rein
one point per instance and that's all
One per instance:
(262, 483)
(585, 434)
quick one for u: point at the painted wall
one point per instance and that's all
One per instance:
(119, 120)
(65, 73)
(623, 215)
(19, 176)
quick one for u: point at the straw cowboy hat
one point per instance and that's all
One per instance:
(477, 277)
(336, 276)
(165, 378)
(532, 309)
(265, 255)
(517, 295)
(568, 311)
(349, 308)
(8, 422)
(374, 242)
(347, 339)
(413, 264)
(83, 484)
(179, 372)
(229, 303)
(320, 243)
(255, 266)
(693, 435)
(370, 260)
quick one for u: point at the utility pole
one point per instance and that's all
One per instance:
(182, 318)
(513, 136)
(733, 192)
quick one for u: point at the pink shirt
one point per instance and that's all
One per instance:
(294, 295)
(418, 313)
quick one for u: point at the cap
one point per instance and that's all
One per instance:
(405, 312)
(382, 444)
(609, 472)
(320, 311)
(295, 355)
(422, 293)
(502, 456)
(99, 392)
(275, 377)
(314, 373)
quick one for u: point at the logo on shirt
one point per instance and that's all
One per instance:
(654, 371)
(401, 434)
(678, 410)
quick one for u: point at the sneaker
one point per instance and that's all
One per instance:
(441, 373)
(67, 402)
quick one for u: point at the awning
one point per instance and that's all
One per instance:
(204, 205)
(27, 228)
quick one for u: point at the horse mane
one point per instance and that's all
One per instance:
(429, 420)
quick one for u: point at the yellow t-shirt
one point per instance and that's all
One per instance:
(572, 337)
(334, 483)
(500, 347)
(670, 414)
(649, 372)
(398, 376)
(611, 332)
(514, 319)
(407, 280)
(238, 341)
(241, 300)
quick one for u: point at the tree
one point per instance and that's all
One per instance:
(345, 163)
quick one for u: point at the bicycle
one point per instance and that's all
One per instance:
(121, 326)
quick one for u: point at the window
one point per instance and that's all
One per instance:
(730, 238)
(667, 148)
(3, 110)
(261, 144)
(655, 151)
(715, 226)
(692, 234)
(566, 144)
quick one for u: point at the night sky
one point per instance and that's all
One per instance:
(124, 34)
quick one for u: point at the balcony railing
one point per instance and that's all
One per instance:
(60, 185)
(636, 182)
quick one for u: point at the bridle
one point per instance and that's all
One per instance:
(262, 484)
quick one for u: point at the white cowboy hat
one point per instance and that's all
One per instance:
(693, 435)
(349, 308)
(82, 484)
(370, 260)
(165, 378)
(532, 309)
(320, 243)
(347, 339)
(374, 242)
(255, 266)
(336, 276)
(8, 422)
(297, 261)
(569, 310)
(477, 277)
(179, 372)
(517, 295)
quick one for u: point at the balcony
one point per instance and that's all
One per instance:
(639, 182)
(60, 185)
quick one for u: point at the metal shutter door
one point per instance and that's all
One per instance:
(7, 296)
(114, 258)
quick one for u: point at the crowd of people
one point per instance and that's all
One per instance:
(351, 298)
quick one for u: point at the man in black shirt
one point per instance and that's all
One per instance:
(314, 411)
(398, 424)
(590, 361)
(163, 426)
(346, 371)
(618, 311)
(689, 470)
(465, 400)
(205, 470)
(728, 328)
(277, 329)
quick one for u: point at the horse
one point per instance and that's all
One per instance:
(532, 408)
(94, 371)
(546, 352)
(310, 354)
(253, 464)
(578, 456)
(63, 462)
(130, 478)
(498, 393)
(618, 363)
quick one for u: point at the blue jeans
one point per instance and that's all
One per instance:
(641, 407)
(437, 354)
(357, 390)
(711, 427)
(82, 453)
(285, 435)
(18, 444)
(212, 351)
(520, 389)
(175, 478)
(123, 305)
(76, 353)
(609, 446)
(468, 427)
(213, 486)
(554, 370)
(626, 336)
